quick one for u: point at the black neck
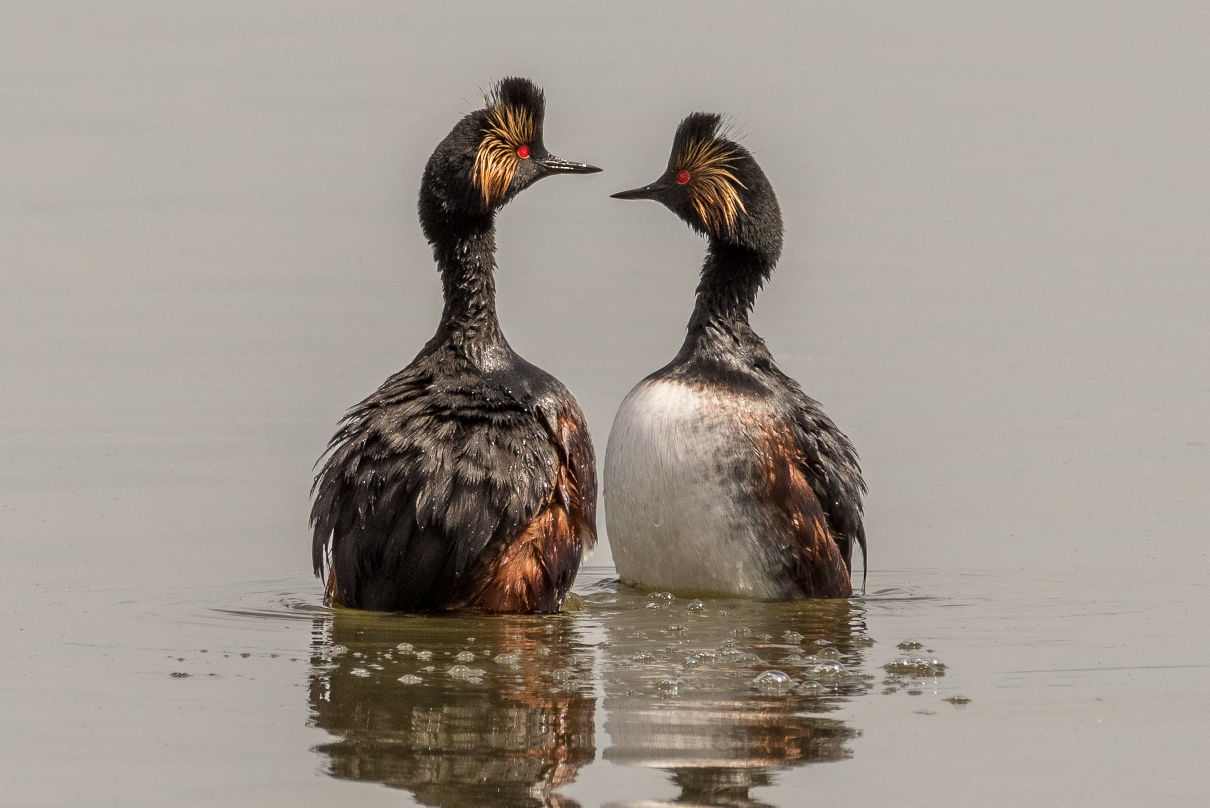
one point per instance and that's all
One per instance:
(466, 259)
(731, 278)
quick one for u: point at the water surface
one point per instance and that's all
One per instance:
(934, 687)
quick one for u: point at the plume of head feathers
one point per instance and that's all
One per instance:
(701, 148)
(513, 118)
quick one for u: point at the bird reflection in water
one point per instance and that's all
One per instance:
(679, 680)
(682, 692)
(455, 738)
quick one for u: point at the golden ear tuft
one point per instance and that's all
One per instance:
(508, 128)
(714, 188)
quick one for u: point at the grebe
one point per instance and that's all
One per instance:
(467, 481)
(721, 475)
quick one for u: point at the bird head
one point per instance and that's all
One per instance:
(715, 185)
(491, 155)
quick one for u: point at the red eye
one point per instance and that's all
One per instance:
(682, 177)
(523, 152)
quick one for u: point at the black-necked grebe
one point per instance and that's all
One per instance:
(467, 480)
(721, 475)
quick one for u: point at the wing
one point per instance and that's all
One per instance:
(829, 464)
(809, 551)
(537, 566)
(420, 481)
(577, 480)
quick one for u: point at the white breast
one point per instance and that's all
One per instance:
(679, 504)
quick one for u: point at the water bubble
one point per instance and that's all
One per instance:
(465, 674)
(792, 637)
(773, 682)
(661, 597)
(409, 679)
(376, 666)
(695, 606)
(465, 656)
(428, 669)
(915, 666)
(823, 668)
(424, 656)
(910, 645)
(958, 701)
(642, 656)
(822, 642)
(359, 672)
(563, 675)
(827, 653)
(668, 687)
(735, 656)
(405, 647)
(511, 660)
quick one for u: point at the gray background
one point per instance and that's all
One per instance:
(995, 273)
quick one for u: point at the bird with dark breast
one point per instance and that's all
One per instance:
(467, 480)
(721, 475)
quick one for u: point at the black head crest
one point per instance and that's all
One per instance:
(707, 162)
(696, 127)
(512, 125)
(520, 94)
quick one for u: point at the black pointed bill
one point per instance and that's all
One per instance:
(651, 191)
(557, 165)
